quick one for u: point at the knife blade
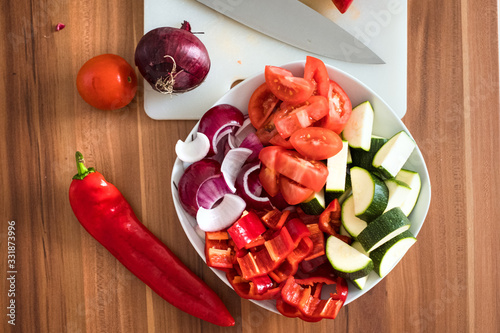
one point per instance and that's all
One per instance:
(294, 23)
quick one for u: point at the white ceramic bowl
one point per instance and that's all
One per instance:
(386, 124)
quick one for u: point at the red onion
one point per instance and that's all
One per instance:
(221, 216)
(253, 143)
(212, 190)
(191, 180)
(217, 120)
(231, 166)
(172, 60)
(249, 188)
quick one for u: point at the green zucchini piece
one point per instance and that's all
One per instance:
(413, 180)
(386, 256)
(370, 194)
(337, 168)
(393, 155)
(358, 129)
(352, 224)
(315, 204)
(384, 228)
(347, 262)
(398, 193)
(364, 159)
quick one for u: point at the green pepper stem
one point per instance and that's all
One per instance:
(82, 169)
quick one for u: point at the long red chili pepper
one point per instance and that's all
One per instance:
(107, 216)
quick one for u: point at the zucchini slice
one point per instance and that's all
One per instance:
(370, 194)
(337, 168)
(315, 204)
(398, 193)
(386, 256)
(364, 159)
(358, 129)
(384, 228)
(360, 282)
(347, 262)
(413, 180)
(352, 224)
(393, 155)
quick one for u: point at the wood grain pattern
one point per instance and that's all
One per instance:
(67, 282)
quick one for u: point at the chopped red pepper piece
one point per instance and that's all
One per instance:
(329, 221)
(218, 251)
(290, 311)
(275, 219)
(310, 265)
(291, 264)
(306, 218)
(305, 295)
(297, 230)
(246, 229)
(249, 289)
(318, 240)
(269, 258)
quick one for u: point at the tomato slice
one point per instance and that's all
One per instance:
(267, 131)
(268, 156)
(269, 180)
(291, 117)
(261, 105)
(316, 143)
(315, 71)
(287, 87)
(309, 173)
(293, 192)
(340, 109)
(278, 140)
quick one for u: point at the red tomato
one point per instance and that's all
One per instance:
(291, 117)
(261, 104)
(268, 156)
(309, 173)
(316, 143)
(342, 5)
(278, 140)
(315, 71)
(269, 180)
(293, 192)
(107, 82)
(340, 109)
(287, 87)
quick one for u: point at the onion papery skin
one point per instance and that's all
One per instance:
(192, 62)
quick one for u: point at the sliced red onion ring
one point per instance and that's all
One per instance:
(221, 134)
(249, 188)
(221, 216)
(191, 180)
(222, 147)
(215, 119)
(242, 132)
(252, 142)
(211, 191)
(232, 163)
(194, 150)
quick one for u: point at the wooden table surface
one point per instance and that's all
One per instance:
(67, 282)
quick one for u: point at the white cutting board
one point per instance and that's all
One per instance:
(237, 52)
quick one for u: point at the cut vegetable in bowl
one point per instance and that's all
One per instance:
(311, 201)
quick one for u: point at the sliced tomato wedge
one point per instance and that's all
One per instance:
(267, 131)
(293, 192)
(269, 155)
(309, 173)
(316, 143)
(291, 117)
(315, 71)
(339, 110)
(278, 140)
(287, 87)
(269, 180)
(261, 105)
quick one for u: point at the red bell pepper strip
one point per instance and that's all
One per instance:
(310, 265)
(297, 230)
(246, 229)
(103, 211)
(275, 219)
(248, 289)
(329, 221)
(218, 252)
(318, 239)
(262, 262)
(290, 311)
(305, 295)
(291, 264)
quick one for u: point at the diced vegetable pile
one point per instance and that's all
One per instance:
(300, 194)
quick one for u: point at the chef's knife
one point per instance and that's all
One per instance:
(294, 23)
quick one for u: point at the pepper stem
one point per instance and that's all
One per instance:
(82, 169)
